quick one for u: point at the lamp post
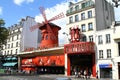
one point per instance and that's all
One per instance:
(116, 3)
(68, 36)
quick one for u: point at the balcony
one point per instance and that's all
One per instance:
(69, 12)
(79, 47)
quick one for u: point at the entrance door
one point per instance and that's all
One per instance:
(80, 63)
(105, 72)
(119, 48)
(119, 69)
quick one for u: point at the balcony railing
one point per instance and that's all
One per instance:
(79, 10)
(79, 47)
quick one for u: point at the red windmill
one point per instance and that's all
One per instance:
(49, 31)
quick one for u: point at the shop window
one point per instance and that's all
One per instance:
(100, 54)
(108, 53)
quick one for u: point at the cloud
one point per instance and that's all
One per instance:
(19, 2)
(0, 10)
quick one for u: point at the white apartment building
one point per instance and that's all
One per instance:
(20, 37)
(13, 42)
(95, 18)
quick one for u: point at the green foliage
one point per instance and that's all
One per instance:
(3, 32)
(2, 23)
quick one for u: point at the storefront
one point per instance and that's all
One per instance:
(105, 70)
(10, 62)
(44, 64)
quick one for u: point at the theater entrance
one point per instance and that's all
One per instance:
(80, 63)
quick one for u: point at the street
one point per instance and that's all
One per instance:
(38, 77)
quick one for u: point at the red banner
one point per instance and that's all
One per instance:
(44, 61)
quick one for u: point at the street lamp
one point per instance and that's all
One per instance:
(116, 3)
(68, 36)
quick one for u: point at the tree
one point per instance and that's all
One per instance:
(3, 32)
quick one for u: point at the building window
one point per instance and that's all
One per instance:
(83, 16)
(100, 54)
(11, 52)
(16, 44)
(76, 7)
(71, 19)
(12, 45)
(46, 37)
(108, 40)
(12, 38)
(89, 14)
(100, 41)
(83, 5)
(17, 37)
(5, 46)
(16, 51)
(84, 39)
(76, 18)
(90, 26)
(108, 53)
(8, 46)
(83, 27)
(71, 9)
(91, 38)
(7, 52)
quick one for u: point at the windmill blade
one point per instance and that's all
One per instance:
(32, 28)
(42, 10)
(59, 16)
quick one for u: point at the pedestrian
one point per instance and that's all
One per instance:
(97, 74)
(85, 74)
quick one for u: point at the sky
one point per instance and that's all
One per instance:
(13, 10)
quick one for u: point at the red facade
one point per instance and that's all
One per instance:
(79, 47)
(30, 64)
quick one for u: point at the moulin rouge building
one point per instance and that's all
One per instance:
(49, 58)
(87, 23)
